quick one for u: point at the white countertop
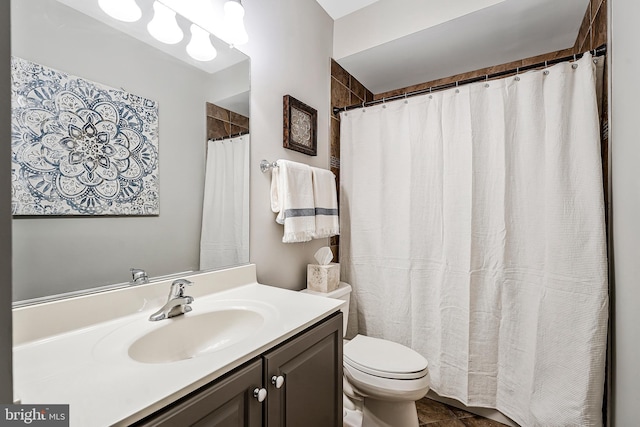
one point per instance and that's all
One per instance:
(89, 368)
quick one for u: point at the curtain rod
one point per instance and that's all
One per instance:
(222, 138)
(599, 51)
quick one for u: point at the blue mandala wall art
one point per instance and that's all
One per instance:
(80, 148)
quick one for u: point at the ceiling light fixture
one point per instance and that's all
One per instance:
(200, 47)
(122, 10)
(234, 23)
(164, 27)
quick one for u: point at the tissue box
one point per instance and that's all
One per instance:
(323, 278)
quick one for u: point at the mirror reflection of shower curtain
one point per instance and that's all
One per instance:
(225, 213)
(472, 230)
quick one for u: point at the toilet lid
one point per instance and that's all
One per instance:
(385, 359)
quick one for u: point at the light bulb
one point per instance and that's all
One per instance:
(164, 27)
(234, 23)
(233, 8)
(122, 10)
(200, 47)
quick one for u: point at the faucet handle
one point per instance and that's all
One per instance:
(177, 287)
(139, 276)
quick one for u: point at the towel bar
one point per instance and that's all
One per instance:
(265, 165)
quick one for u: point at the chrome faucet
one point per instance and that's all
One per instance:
(177, 303)
(139, 276)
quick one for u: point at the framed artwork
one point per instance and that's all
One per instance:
(79, 147)
(300, 126)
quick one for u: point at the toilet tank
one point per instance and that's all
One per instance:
(342, 292)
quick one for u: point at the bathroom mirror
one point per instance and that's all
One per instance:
(54, 255)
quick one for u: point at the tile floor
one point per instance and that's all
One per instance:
(436, 414)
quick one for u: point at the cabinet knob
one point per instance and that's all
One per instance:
(277, 381)
(260, 394)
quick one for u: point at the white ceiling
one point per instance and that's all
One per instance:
(500, 33)
(339, 8)
(390, 44)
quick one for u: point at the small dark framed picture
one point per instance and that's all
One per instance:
(300, 126)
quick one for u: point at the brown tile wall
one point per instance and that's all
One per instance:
(345, 91)
(222, 123)
(593, 31)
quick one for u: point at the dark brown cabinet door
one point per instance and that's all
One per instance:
(227, 403)
(310, 392)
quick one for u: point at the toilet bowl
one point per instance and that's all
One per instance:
(384, 378)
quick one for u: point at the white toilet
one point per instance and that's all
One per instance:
(382, 378)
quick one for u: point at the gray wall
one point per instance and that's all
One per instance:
(6, 384)
(290, 44)
(625, 180)
(63, 254)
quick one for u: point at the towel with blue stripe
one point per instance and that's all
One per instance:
(305, 200)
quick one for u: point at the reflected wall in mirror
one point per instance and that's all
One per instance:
(54, 255)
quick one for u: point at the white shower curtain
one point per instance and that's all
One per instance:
(225, 212)
(473, 232)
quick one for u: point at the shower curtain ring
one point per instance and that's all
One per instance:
(486, 80)
(384, 103)
(406, 101)
(517, 72)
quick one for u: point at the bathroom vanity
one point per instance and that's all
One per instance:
(247, 353)
(298, 383)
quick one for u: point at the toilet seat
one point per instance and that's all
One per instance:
(384, 359)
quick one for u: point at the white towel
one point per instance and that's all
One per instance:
(292, 199)
(326, 203)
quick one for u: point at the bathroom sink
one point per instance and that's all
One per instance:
(214, 326)
(189, 336)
